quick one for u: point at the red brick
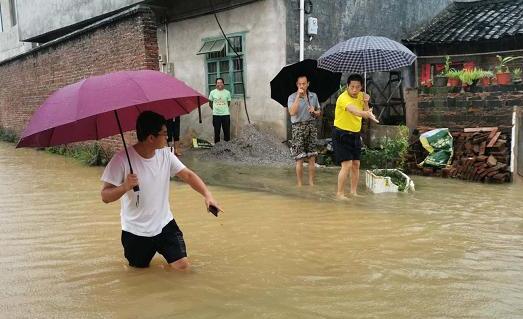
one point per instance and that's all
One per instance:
(25, 82)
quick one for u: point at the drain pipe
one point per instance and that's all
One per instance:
(302, 27)
(167, 44)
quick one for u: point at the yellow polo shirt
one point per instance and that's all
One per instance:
(345, 120)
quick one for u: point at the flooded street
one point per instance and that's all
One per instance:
(450, 250)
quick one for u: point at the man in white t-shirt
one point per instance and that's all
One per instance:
(220, 101)
(147, 221)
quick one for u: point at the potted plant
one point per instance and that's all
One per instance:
(485, 77)
(469, 78)
(441, 79)
(453, 76)
(516, 75)
(503, 74)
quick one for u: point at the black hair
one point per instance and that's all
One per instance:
(148, 123)
(223, 81)
(302, 76)
(355, 77)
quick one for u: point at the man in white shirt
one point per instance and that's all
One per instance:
(147, 221)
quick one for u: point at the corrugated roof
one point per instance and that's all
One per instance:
(472, 22)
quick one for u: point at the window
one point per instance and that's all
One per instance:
(222, 62)
(12, 10)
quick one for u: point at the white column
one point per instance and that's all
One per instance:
(302, 27)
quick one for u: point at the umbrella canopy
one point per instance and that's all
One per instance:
(86, 110)
(322, 82)
(366, 54)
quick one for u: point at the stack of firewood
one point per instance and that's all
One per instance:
(480, 154)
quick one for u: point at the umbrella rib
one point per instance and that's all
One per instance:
(96, 126)
(78, 96)
(138, 85)
(51, 137)
(186, 112)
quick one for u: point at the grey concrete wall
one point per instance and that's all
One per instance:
(10, 44)
(37, 17)
(264, 22)
(340, 20)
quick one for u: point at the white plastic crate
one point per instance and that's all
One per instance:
(384, 184)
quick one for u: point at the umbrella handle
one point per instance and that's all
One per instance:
(135, 188)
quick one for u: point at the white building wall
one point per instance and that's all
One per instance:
(37, 17)
(10, 44)
(265, 42)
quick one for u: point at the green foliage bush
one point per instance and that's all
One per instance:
(8, 135)
(391, 153)
(91, 154)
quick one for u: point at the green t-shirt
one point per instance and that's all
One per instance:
(220, 101)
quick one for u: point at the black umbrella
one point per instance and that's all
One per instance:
(322, 82)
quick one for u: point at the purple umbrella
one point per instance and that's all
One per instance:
(90, 109)
(102, 106)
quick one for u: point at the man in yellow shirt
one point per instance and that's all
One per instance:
(352, 105)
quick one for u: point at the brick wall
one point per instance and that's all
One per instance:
(490, 106)
(445, 107)
(125, 42)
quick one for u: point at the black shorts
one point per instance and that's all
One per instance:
(347, 145)
(139, 250)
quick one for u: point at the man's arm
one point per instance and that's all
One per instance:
(293, 109)
(111, 193)
(316, 113)
(367, 114)
(210, 104)
(198, 185)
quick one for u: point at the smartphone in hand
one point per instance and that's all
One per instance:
(213, 210)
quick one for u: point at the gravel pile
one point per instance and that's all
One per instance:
(252, 146)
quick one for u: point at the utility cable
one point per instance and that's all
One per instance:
(237, 55)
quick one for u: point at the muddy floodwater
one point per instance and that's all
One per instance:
(450, 250)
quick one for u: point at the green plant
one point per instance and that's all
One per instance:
(486, 74)
(516, 73)
(8, 135)
(446, 68)
(391, 153)
(396, 178)
(502, 66)
(469, 77)
(453, 74)
(90, 154)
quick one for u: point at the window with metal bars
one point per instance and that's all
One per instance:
(222, 62)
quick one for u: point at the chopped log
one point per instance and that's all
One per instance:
(482, 148)
(494, 139)
(479, 129)
(500, 176)
(481, 158)
(475, 148)
(491, 161)
(479, 138)
(492, 133)
(479, 154)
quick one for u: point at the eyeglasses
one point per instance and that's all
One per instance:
(163, 133)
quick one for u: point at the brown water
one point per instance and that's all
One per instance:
(450, 250)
